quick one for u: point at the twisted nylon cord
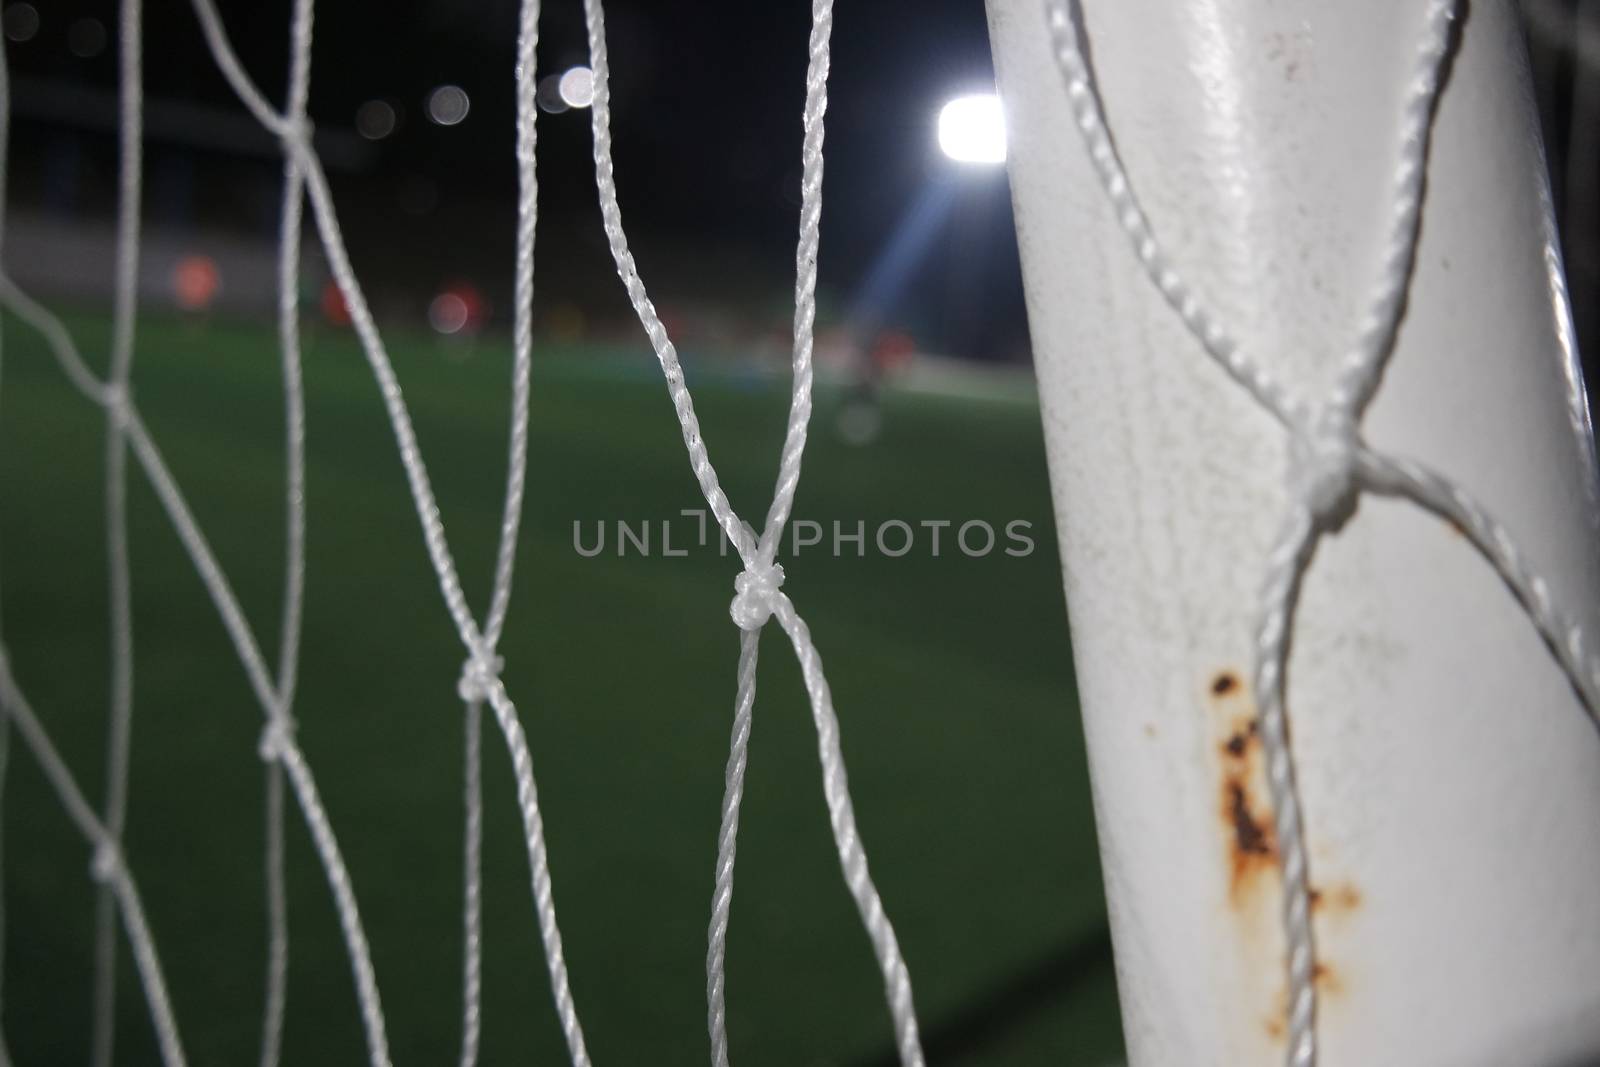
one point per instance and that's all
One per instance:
(788, 480)
(123, 412)
(472, 885)
(479, 652)
(666, 352)
(277, 978)
(727, 847)
(516, 477)
(283, 746)
(118, 570)
(805, 285)
(278, 741)
(108, 868)
(1329, 465)
(759, 595)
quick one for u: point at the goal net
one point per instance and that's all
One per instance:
(1320, 414)
(759, 595)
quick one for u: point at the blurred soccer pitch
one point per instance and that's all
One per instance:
(952, 675)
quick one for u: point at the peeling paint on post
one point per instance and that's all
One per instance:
(1451, 785)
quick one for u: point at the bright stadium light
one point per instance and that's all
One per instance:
(972, 129)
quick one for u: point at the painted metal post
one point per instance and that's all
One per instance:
(1451, 781)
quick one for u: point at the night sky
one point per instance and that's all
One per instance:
(706, 116)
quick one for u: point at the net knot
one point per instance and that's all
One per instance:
(479, 675)
(1322, 468)
(276, 737)
(757, 595)
(107, 860)
(118, 401)
(295, 131)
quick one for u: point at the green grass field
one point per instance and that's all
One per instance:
(952, 675)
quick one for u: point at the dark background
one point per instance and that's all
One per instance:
(707, 100)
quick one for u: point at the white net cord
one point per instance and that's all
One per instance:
(119, 578)
(759, 595)
(1330, 465)
(295, 538)
(480, 677)
(107, 867)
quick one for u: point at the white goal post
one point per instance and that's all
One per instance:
(1450, 783)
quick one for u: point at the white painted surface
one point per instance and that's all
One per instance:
(1450, 778)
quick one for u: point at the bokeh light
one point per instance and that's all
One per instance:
(577, 87)
(458, 309)
(375, 120)
(448, 105)
(447, 313)
(195, 282)
(549, 94)
(972, 129)
(21, 22)
(335, 309)
(86, 38)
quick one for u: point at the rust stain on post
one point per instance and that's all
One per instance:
(1251, 848)
(1330, 987)
(1251, 842)
(1339, 899)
